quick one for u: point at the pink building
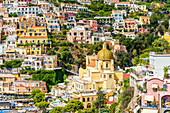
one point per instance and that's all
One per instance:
(142, 30)
(79, 34)
(110, 1)
(91, 23)
(156, 90)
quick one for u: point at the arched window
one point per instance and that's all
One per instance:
(38, 41)
(75, 33)
(88, 105)
(84, 100)
(88, 99)
(107, 65)
(92, 99)
(104, 76)
(110, 76)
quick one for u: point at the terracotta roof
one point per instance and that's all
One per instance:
(33, 37)
(92, 64)
(129, 20)
(48, 14)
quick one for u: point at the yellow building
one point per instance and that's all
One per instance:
(99, 72)
(19, 32)
(36, 50)
(167, 37)
(144, 19)
(89, 97)
(6, 82)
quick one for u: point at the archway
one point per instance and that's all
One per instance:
(165, 101)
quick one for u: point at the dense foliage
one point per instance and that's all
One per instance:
(13, 64)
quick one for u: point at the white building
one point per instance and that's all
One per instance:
(3, 48)
(28, 10)
(158, 61)
(11, 41)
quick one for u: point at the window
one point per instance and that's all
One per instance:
(36, 85)
(83, 99)
(164, 86)
(104, 76)
(92, 99)
(88, 99)
(110, 76)
(50, 62)
(18, 90)
(32, 85)
(23, 90)
(106, 65)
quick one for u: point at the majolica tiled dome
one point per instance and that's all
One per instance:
(104, 54)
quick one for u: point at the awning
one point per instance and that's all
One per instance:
(149, 111)
(149, 98)
(154, 85)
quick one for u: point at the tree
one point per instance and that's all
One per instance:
(113, 107)
(42, 104)
(13, 64)
(39, 97)
(101, 13)
(40, 15)
(56, 110)
(100, 100)
(34, 92)
(161, 42)
(64, 77)
(73, 106)
(126, 96)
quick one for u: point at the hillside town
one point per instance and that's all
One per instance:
(84, 56)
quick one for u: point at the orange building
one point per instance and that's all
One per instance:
(28, 86)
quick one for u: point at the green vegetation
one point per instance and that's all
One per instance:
(40, 15)
(100, 100)
(51, 77)
(39, 98)
(72, 106)
(13, 15)
(13, 64)
(4, 37)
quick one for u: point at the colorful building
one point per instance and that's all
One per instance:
(144, 20)
(28, 86)
(99, 72)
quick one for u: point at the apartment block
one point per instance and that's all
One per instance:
(28, 86)
(79, 34)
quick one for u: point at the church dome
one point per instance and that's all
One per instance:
(104, 54)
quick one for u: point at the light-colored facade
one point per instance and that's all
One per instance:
(28, 10)
(118, 15)
(130, 25)
(158, 61)
(37, 62)
(7, 83)
(99, 72)
(79, 34)
(144, 20)
(122, 4)
(28, 86)
(157, 90)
